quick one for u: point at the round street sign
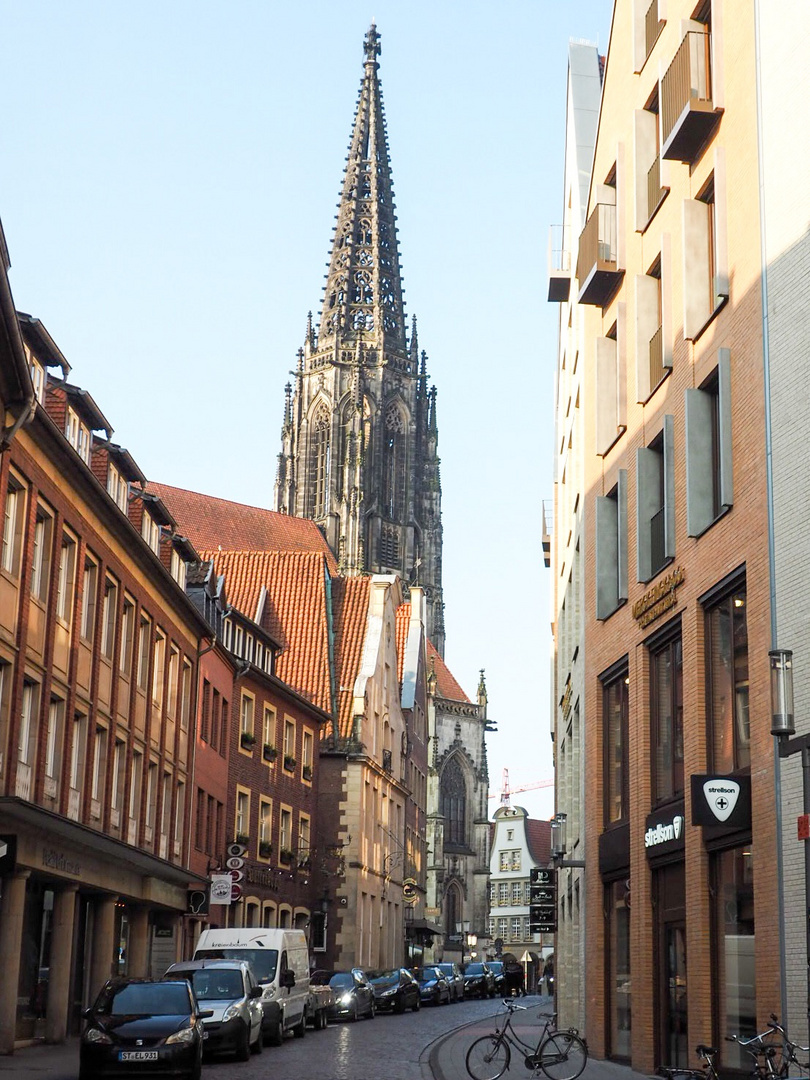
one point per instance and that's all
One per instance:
(409, 894)
(236, 876)
(236, 892)
(234, 863)
(236, 850)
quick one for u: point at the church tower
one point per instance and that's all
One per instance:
(359, 437)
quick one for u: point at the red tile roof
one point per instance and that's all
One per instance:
(212, 523)
(295, 611)
(446, 685)
(538, 837)
(350, 613)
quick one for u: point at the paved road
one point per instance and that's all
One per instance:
(428, 1045)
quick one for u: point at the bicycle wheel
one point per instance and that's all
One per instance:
(562, 1056)
(488, 1058)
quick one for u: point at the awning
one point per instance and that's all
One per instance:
(422, 929)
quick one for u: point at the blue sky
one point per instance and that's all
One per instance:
(168, 180)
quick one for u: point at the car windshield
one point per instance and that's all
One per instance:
(425, 974)
(342, 980)
(496, 966)
(146, 999)
(447, 969)
(217, 985)
(263, 962)
(383, 978)
(474, 969)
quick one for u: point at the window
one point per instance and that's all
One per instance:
(265, 827)
(150, 531)
(174, 664)
(117, 488)
(99, 765)
(306, 752)
(199, 821)
(617, 907)
(647, 25)
(289, 742)
(53, 743)
(303, 838)
(655, 473)
(151, 794)
(517, 924)
(78, 747)
(727, 682)
(269, 727)
(319, 462)
(28, 723)
(395, 464)
(158, 668)
(13, 522)
(179, 816)
(246, 715)
(514, 863)
(611, 548)
(615, 716)
(185, 693)
(453, 802)
(705, 272)
(41, 554)
(127, 635)
(216, 709)
(517, 892)
(144, 641)
(37, 378)
(242, 813)
(650, 191)
(503, 861)
(611, 418)
(119, 755)
(135, 787)
(89, 598)
(286, 829)
(166, 805)
(734, 991)
(666, 711)
(709, 473)
(653, 354)
(109, 614)
(178, 568)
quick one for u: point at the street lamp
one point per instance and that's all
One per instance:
(783, 728)
(559, 842)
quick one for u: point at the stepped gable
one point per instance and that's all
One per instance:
(212, 523)
(350, 613)
(293, 612)
(446, 685)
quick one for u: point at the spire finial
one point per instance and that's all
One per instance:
(371, 45)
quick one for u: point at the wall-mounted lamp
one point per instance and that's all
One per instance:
(559, 843)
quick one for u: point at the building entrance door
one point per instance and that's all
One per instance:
(673, 1041)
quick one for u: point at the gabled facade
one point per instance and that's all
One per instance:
(360, 433)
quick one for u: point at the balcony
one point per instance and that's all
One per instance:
(688, 115)
(559, 266)
(652, 26)
(597, 265)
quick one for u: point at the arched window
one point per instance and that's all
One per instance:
(453, 802)
(451, 909)
(319, 463)
(395, 465)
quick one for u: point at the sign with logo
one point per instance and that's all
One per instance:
(197, 902)
(236, 851)
(409, 893)
(236, 876)
(236, 893)
(235, 862)
(665, 832)
(541, 875)
(721, 800)
(220, 891)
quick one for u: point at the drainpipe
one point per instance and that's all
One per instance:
(766, 367)
(26, 413)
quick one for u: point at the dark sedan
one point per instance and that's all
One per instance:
(395, 989)
(499, 974)
(354, 995)
(478, 981)
(143, 1027)
(433, 986)
(452, 972)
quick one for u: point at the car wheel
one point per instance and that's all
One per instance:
(243, 1047)
(354, 1014)
(276, 1035)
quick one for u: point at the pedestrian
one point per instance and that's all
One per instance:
(548, 975)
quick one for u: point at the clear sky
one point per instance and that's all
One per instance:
(168, 177)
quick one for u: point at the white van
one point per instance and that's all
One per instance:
(279, 960)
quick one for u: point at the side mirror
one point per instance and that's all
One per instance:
(87, 1014)
(287, 979)
(256, 992)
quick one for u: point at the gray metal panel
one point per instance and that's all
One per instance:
(724, 409)
(607, 554)
(699, 474)
(648, 469)
(621, 557)
(669, 486)
(607, 394)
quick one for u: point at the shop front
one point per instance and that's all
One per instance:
(76, 908)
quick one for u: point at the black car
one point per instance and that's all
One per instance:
(499, 974)
(143, 1027)
(452, 972)
(395, 989)
(433, 986)
(354, 995)
(478, 980)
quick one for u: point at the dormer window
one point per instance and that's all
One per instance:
(77, 434)
(117, 487)
(178, 569)
(237, 648)
(150, 531)
(37, 378)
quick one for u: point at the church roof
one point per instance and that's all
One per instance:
(212, 523)
(350, 613)
(363, 295)
(294, 612)
(446, 685)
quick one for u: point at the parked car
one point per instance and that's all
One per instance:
(478, 980)
(228, 989)
(499, 974)
(395, 989)
(354, 994)
(143, 1026)
(433, 986)
(455, 979)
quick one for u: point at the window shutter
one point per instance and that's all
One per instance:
(607, 556)
(724, 432)
(699, 474)
(669, 487)
(697, 274)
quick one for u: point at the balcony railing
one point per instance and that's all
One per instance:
(655, 192)
(559, 265)
(652, 26)
(657, 371)
(22, 788)
(657, 547)
(688, 114)
(597, 265)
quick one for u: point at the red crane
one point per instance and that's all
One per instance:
(506, 792)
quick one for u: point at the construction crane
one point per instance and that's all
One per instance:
(506, 792)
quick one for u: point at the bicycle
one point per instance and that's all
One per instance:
(560, 1055)
(708, 1071)
(773, 1052)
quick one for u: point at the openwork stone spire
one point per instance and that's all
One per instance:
(363, 294)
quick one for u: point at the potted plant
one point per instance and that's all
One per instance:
(285, 855)
(306, 772)
(289, 762)
(265, 849)
(247, 740)
(242, 838)
(269, 752)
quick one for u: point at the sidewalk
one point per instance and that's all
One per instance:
(444, 1059)
(43, 1062)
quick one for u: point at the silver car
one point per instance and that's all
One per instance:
(452, 972)
(228, 989)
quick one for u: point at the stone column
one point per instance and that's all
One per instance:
(64, 910)
(103, 943)
(138, 942)
(12, 912)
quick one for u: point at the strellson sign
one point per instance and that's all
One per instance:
(663, 833)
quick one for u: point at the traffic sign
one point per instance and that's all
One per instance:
(236, 876)
(236, 892)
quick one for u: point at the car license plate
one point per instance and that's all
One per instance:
(138, 1055)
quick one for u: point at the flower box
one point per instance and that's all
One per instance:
(242, 838)
(265, 849)
(246, 740)
(306, 772)
(286, 855)
(269, 752)
(289, 762)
